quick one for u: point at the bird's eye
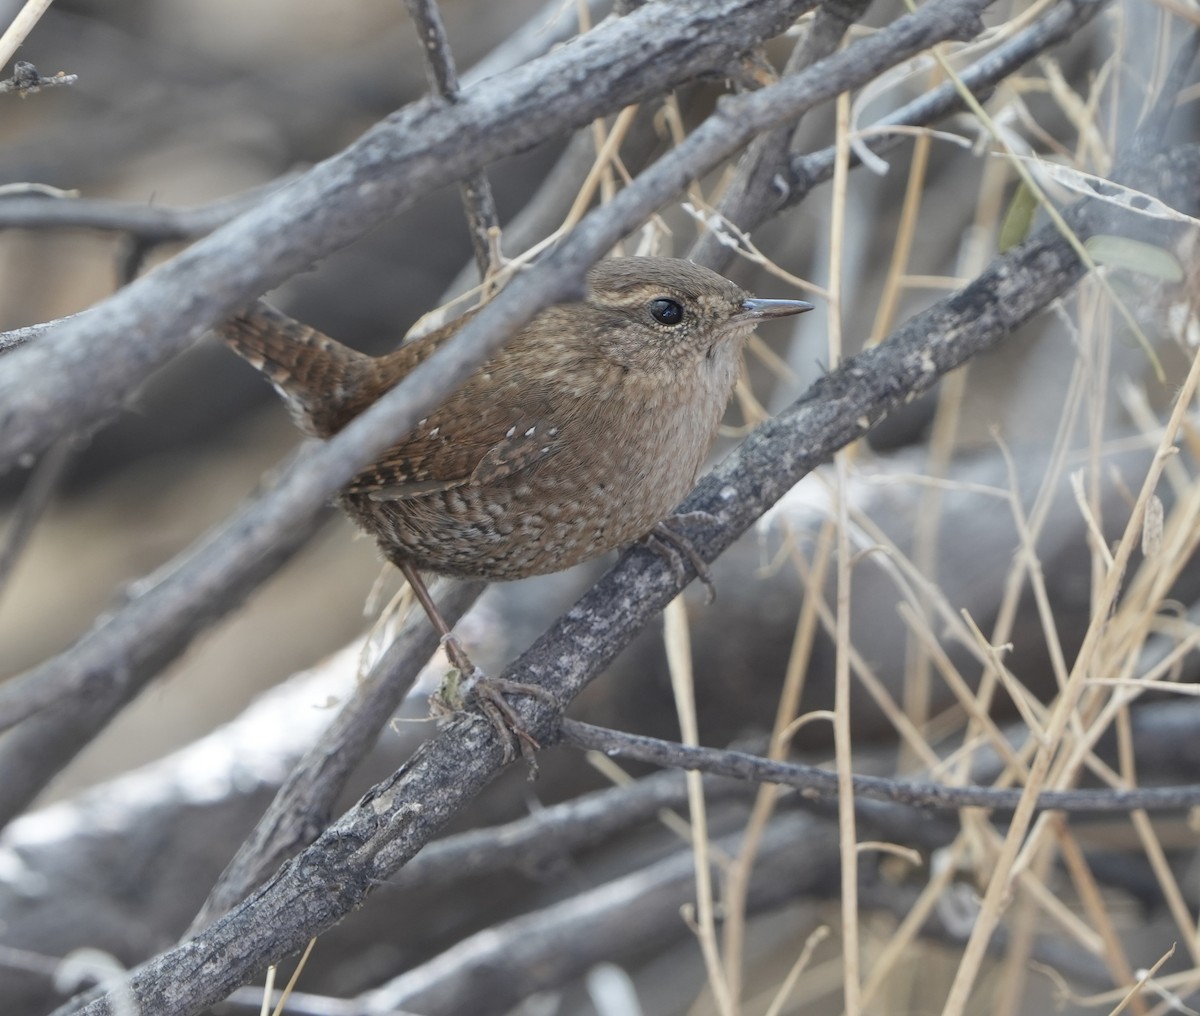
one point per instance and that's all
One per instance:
(666, 312)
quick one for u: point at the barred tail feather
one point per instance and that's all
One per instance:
(319, 379)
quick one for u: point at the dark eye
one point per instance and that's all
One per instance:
(666, 312)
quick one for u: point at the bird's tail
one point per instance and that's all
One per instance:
(321, 381)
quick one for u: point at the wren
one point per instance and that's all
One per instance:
(580, 435)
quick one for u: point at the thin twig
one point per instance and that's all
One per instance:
(821, 784)
(21, 26)
(483, 220)
(150, 223)
(754, 189)
(34, 498)
(26, 80)
(808, 170)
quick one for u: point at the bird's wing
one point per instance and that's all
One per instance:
(454, 449)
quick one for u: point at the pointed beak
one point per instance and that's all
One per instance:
(760, 310)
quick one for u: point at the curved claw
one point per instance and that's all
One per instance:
(672, 546)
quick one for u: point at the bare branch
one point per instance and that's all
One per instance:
(483, 220)
(753, 193)
(304, 804)
(26, 80)
(38, 492)
(19, 336)
(771, 179)
(112, 662)
(149, 223)
(822, 783)
(624, 917)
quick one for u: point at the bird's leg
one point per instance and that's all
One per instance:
(454, 648)
(665, 541)
(489, 692)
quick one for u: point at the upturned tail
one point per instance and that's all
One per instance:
(323, 383)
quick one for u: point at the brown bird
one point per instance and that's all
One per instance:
(577, 437)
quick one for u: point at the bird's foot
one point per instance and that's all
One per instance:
(490, 694)
(466, 684)
(665, 541)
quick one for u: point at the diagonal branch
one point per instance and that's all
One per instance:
(771, 179)
(304, 803)
(754, 187)
(804, 172)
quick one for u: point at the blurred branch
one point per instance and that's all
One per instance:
(627, 916)
(128, 646)
(747, 200)
(1058, 25)
(1059, 953)
(36, 496)
(548, 29)
(552, 833)
(822, 783)
(437, 983)
(146, 225)
(630, 916)
(152, 223)
(26, 80)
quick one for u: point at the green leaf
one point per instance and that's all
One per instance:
(1146, 258)
(1018, 218)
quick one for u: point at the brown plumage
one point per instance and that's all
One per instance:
(579, 436)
